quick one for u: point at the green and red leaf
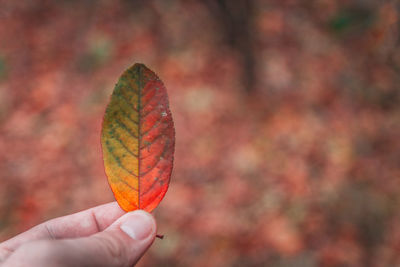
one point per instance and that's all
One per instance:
(138, 140)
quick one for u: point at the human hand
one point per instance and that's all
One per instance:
(101, 236)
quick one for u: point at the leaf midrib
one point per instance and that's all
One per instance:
(139, 126)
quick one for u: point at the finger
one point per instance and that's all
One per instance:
(80, 224)
(121, 244)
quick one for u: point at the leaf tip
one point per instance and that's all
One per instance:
(139, 66)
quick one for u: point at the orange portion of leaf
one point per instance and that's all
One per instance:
(138, 140)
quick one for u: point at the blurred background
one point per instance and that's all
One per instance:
(287, 117)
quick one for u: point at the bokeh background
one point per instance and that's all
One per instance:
(287, 117)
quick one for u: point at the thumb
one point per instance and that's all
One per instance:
(122, 244)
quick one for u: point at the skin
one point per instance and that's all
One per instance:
(100, 236)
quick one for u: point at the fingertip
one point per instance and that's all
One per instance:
(139, 225)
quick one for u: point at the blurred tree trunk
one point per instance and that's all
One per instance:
(236, 22)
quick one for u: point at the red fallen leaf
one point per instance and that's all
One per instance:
(138, 140)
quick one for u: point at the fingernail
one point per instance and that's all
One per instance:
(139, 225)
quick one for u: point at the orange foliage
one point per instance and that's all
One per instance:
(138, 140)
(286, 116)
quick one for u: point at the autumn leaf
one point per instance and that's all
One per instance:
(138, 140)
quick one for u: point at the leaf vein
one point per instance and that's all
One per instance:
(118, 161)
(128, 116)
(154, 182)
(152, 167)
(125, 147)
(124, 98)
(156, 124)
(122, 125)
(157, 137)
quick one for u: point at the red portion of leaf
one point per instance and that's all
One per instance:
(156, 143)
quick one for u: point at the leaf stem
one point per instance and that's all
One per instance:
(160, 236)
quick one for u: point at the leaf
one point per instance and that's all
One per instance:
(138, 140)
